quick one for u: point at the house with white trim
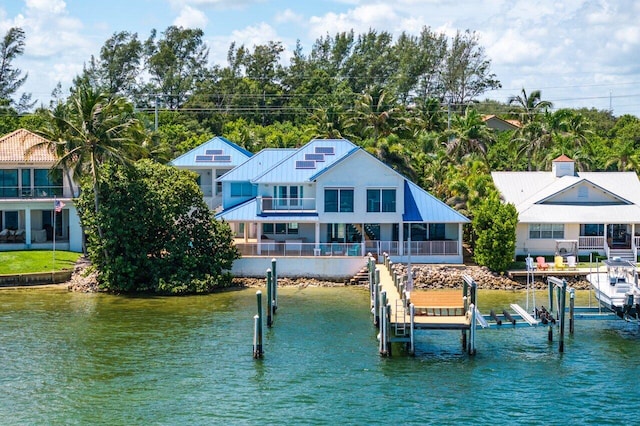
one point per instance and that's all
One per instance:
(565, 211)
(210, 161)
(320, 208)
(29, 188)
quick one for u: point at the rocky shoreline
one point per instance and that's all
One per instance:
(426, 277)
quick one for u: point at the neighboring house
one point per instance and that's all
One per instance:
(211, 160)
(29, 188)
(331, 199)
(499, 124)
(567, 211)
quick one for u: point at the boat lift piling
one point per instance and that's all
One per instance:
(269, 298)
(561, 294)
(274, 278)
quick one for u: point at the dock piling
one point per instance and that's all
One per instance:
(269, 298)
(257, 328)
(274, 279)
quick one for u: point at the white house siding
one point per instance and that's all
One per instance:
(542, 246)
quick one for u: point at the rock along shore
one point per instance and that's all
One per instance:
(425, 277)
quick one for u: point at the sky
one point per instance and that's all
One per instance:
(578, 53)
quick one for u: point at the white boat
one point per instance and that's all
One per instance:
(617, 288)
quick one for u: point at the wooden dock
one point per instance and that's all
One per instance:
(399, 313)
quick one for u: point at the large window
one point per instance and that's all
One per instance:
(241, 189)
(540, 231)
(47, 183)
(8, 183)
(381, 200)
(338, 200)
(288, 195)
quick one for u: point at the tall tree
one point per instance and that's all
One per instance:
(466, 71)
(11, 78)
(468, 135)
(90, 130)
(176, 63)
(529, 107)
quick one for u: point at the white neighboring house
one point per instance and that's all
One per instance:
(331, 199)
(211, 160)
(29, 188)
(565, 211)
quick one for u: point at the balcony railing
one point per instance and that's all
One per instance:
(268, 204)
(31, 192)
(297, 248)
(591, 243)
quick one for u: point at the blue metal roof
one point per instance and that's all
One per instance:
(246, 212)
(307, 161)
(420, 206)
(216, 152)
(256, 165)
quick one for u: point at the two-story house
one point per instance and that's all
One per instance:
(36, 200)
(332, 199)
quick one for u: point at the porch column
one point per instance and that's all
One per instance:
(401, 238)
(246, 231)
(363, 242)
(317, 235)
(258, 238)
(460, 237)
(27, 227)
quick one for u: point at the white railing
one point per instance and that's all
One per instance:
(431, 248)
(590, 243)
(267, 204)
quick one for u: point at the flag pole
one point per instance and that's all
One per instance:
(55, 205)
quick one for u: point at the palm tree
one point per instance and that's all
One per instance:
(468, 135)
(377, 114)
(528, 107)
(90, 130)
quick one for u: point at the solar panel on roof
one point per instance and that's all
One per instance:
(203, 158)
(305, 164)
(326, 150)
(222, 158)
(314, 157)
(213, 152)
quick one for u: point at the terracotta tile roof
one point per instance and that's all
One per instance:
(563, 159)
(14, 147)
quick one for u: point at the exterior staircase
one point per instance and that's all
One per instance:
(361, 277)
(624, 254)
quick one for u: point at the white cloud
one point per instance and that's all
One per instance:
(191, 18)
(360, 19)
(46, 6)
(217, 4)
(288, 16)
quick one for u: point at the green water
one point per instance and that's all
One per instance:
(98, 359)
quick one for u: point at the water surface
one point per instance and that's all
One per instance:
(98, 359)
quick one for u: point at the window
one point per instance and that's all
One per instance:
(8, 183)
(288, 195)
(381, 200)
(338, 200)
(280, 228)
(241, 189)
(47, 182)
(546, 231)
(592, 230)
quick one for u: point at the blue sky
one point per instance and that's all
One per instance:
(577, 52)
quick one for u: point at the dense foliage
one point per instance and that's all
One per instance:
(158, 232)
(494, 223)
(414, 102)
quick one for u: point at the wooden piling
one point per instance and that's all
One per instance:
(550, 331)
(257, 328)
(269, 299)
(274, 279)
(472, 329)
(412, 343)
(561, 308)
(572, 297)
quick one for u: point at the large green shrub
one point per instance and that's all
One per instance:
(494, 224)
(158, 233)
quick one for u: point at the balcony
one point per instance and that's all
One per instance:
(285, 205)
(14, 192)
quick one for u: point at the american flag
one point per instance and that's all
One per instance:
(58, 205)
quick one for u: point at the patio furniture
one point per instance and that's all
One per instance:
(529, 262)
(558, 263)
(541, 263)
(571, 262)
(4, 235)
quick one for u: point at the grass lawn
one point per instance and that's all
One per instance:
(22, 262)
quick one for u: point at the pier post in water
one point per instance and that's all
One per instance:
(257, 328)
(269, 299)
(572, 297)
(562, 302)
(550, 332)
(274, 279)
